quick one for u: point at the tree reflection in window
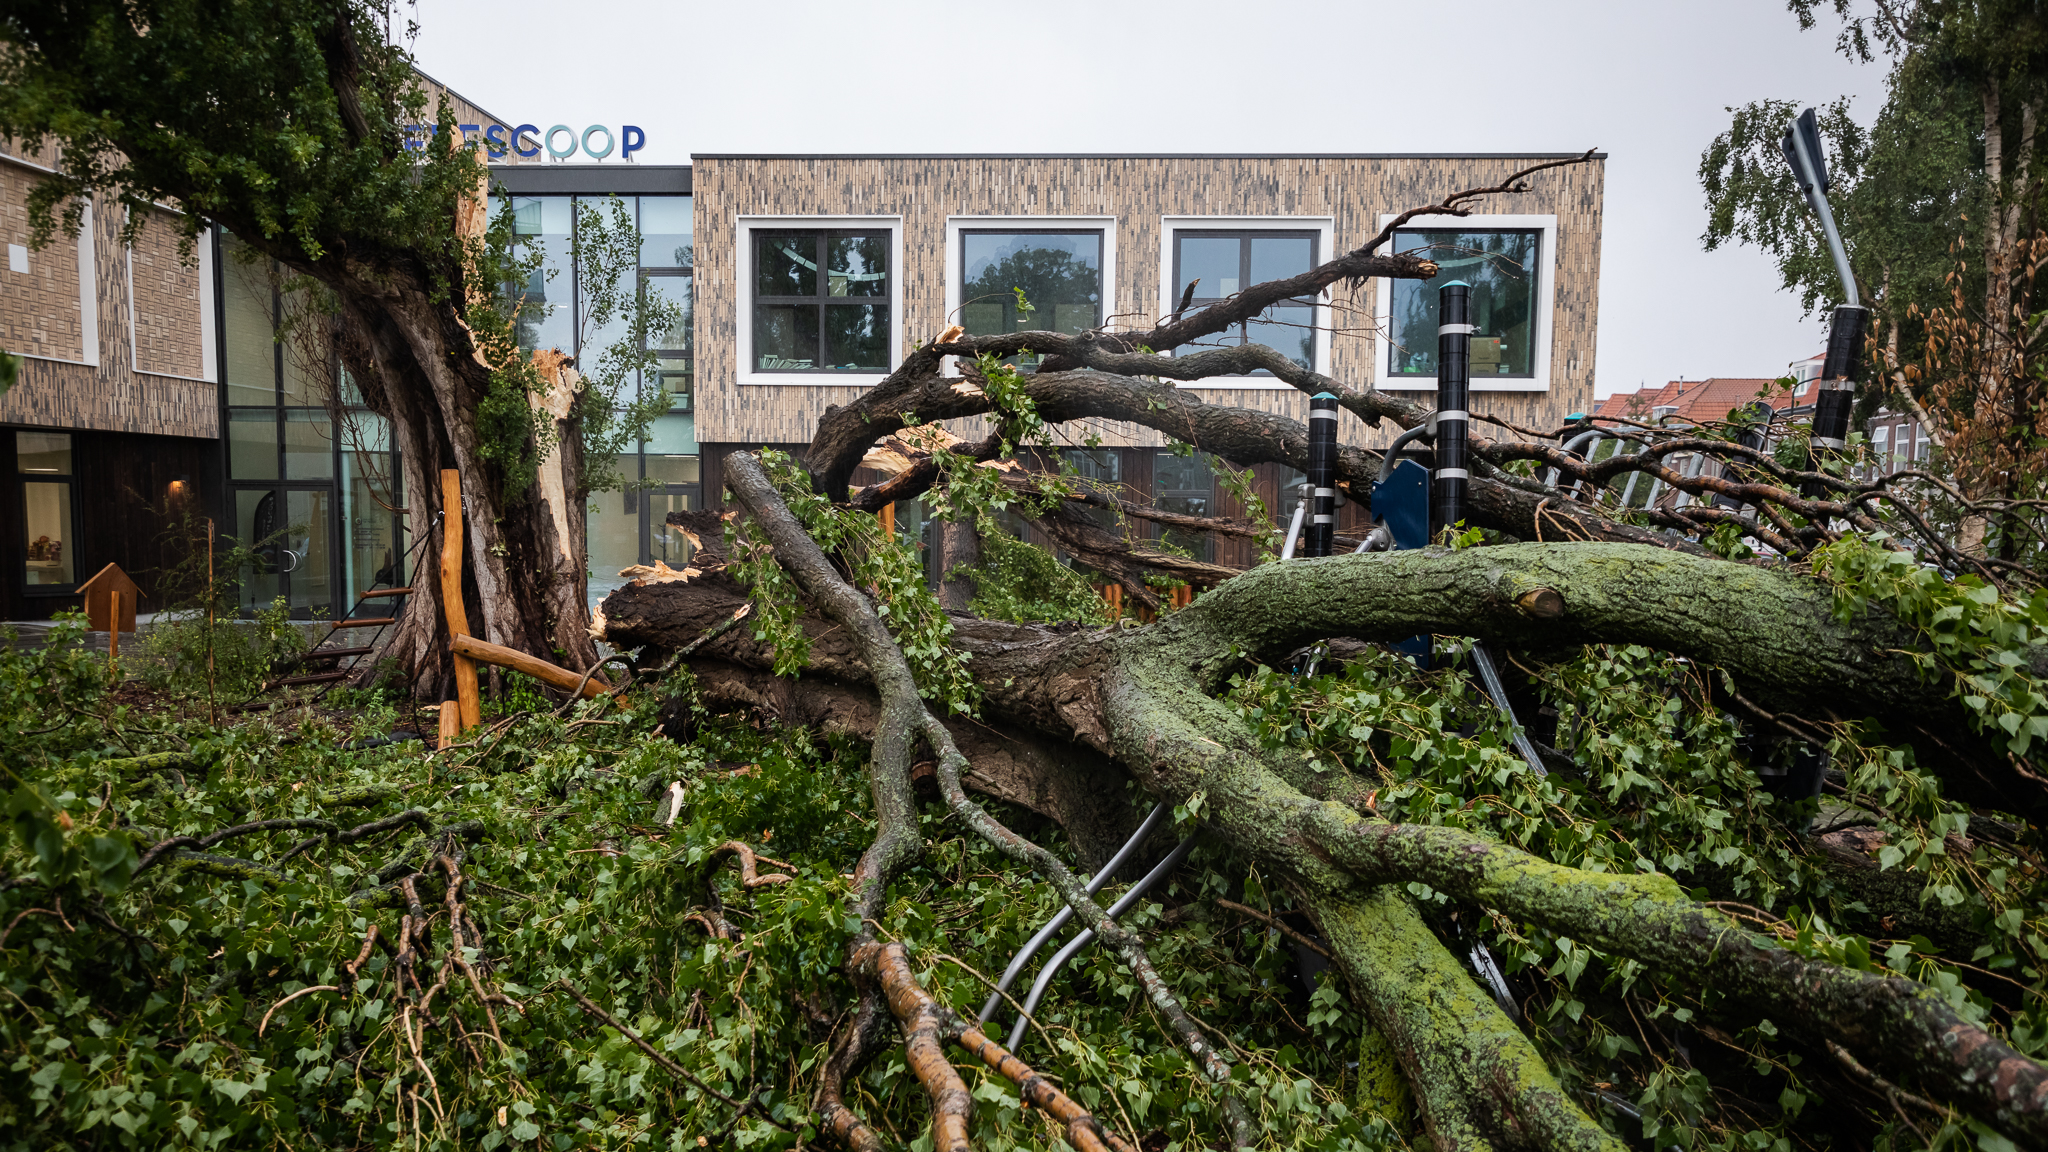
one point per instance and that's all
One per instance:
(1500, 265)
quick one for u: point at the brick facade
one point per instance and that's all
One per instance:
(1138, 191)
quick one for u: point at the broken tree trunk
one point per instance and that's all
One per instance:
(1145, 698)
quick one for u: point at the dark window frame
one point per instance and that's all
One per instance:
(822, 299)
(1536, 319)
(1245, 236)
(70, 482)
(1101, 235)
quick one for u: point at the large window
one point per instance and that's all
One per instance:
(44, 461)
(1221, 263)
(1502, 266)
(1187, 485)
(661, 473)
(285, 454)
(1058, 273)
(820, 300)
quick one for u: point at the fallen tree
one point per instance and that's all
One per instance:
(1650, 835)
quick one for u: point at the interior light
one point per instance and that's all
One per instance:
(38, 469)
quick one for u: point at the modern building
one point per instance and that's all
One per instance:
(155, 387)
(158, 383)
(810, 276)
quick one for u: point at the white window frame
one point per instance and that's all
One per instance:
(955, 225)
(1325, 228)
(743, 285)
(1546, 305)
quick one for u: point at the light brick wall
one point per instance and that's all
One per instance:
(1354, 191)
(40, 311)
(169, 332)
(114, 395)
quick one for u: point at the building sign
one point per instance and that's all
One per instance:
(598, 141)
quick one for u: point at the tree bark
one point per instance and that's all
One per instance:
(1144, 697)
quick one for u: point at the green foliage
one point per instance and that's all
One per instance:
(202, 642)
(182, 646)
(1985, 644)
(256, 138)
(1023, 583)
(1666, 782)
(150, 1013)
(889, 570)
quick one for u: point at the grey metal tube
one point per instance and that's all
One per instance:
(1053, 926)
(1117, 909)
(1376, 540)
(1294, 529)
(1424, 430)
(1490, 676)
(1819, 200)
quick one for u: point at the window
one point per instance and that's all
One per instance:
(547, 318)
(821, 300)
(1221, 263)
(1058, 272)
(1100, 471)
(312, 477)
(1881, 445)
(43, 460)
(1501, 265)
(1184, 484)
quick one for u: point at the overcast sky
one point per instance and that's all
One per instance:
(1646, 81)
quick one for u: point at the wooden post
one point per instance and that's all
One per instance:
(212, 715)
(470, 706)
(114, 637)
(888, 521)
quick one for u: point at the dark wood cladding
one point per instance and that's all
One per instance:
(124, 504)
(1354, 191)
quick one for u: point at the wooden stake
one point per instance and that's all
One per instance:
(888, 521)
(451, 724)
(470, 705)
(212, 713)
(114, 634)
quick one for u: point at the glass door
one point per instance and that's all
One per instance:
(291, 531)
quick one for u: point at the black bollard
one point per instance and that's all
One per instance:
(1322, 474)
(1453, 385)
(1836, 386)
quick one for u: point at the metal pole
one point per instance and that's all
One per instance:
(1802, 150)
(1031, 947)
(1294, 526)
(1453, 382)
(1060, 958)
(1322, 473)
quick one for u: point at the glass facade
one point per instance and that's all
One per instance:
(319, 504)
(1500, 265)
(662, 475)
(1220, 264)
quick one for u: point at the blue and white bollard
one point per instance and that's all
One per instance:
(1322, 474)
(1453, 386)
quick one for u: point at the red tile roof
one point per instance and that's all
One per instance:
(1696, 400)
